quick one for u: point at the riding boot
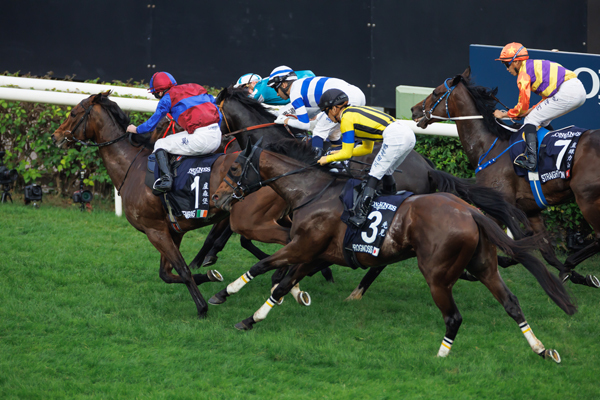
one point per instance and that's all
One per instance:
(389, 185)
(164, 183)
(530, 160)
(363, 203)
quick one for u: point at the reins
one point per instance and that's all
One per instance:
(249, 128)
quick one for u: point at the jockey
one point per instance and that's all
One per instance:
(369, 125)
(195, 110)
(560, 89)
(265, 94)
(305, 94)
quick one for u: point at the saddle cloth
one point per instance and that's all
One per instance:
(555, 152)
(190, 195)
(371, 236)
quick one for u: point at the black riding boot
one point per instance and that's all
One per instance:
(363, 203)
(164, 183)
(530, 160)
(389, 185)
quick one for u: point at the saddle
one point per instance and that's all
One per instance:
(190, 194)
(370, 237)
(556, 150)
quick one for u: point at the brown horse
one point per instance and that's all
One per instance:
(472, 108)
(99, 121)
(443, 232)
(418, 174)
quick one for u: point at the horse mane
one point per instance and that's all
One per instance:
(241, 96)
(485, 102)
(113, 108)
(303, 152)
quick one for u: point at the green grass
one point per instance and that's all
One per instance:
(83, 314)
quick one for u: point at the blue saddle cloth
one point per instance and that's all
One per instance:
(555, 152)
(369, 239)
(190, 195)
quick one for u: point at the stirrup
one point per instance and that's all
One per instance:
(163, 185)
(525, 163)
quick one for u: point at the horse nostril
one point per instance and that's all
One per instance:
(215, 197)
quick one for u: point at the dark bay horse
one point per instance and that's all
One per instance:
(419, 175)
(445, 234)
(459, 99)
(98, 120)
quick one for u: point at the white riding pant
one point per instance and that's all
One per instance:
(204, 140)
(570, 96)
(325, 127)
(398, 141)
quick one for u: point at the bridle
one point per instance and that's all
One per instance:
(246, 185)
(446, 95)
(83, 118)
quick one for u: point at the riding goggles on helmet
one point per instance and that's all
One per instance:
(507, 64)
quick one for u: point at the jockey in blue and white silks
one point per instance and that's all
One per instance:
(305, 95)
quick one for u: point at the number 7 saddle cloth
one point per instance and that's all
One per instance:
(370, 237)
(556, 150)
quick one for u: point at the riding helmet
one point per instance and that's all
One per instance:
(161, 81)
(513, 52)
(332, 97)
(281, 74)
(247, 79)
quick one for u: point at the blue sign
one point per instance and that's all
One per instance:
(485, 71)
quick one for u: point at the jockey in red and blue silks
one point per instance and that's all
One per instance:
(194, 110)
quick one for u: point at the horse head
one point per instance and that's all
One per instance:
(86, 120)
(242, 179)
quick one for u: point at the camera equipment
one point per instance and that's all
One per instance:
(33, 193)
(7, 178)
(82, 196)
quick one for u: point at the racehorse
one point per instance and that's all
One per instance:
(472, 108)
(242, 114)
(99, 121)
(443, 232)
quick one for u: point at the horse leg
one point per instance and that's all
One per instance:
(164, 243)
(251, 247)
(217, 233)
(165, 272)
(295, 275)
(261, 267)
(364, 284)
(492, 280)
(442, 296)
(578, 257)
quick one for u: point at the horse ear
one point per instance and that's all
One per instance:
(248, 148)
(259, 142)
(456, 80)
(467, 73)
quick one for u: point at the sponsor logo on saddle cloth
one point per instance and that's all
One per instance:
(190, 195)
(556, 151)
(370, 238)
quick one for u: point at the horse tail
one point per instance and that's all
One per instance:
(520, 251)
(485, 198)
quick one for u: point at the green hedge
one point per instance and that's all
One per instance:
(26, 129)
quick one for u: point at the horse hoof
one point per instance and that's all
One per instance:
(214, 276)
(278, 302)
(209, 260)
(304, 299)
(564, 278)
(553, 355)
(592, 281)
(217, 299)
(241, 326)
(356, 294)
